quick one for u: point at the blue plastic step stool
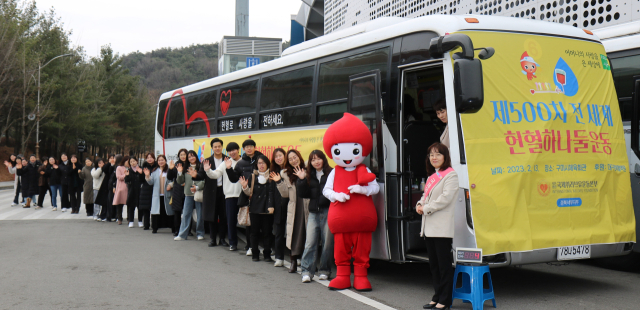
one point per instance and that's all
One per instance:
(472, 289)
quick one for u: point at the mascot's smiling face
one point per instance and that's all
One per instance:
(347, 154)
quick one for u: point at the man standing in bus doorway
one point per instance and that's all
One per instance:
(244, 168)
(352, 215)
(213, 200)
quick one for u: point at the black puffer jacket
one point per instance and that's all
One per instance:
(245, 168)
(146, 190)
(64, 172)
(262, 195)
(74, 178)
(177, 192)
(54, 175)
(311, 188)
(29, 178)
(103, 193)
(133, 181)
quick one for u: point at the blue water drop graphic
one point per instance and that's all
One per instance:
(564, 78)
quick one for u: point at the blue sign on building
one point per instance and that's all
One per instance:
(252, 61)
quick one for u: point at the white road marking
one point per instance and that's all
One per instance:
(8, 214)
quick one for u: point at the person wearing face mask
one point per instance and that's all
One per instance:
(64, 181)
(87, 187)
(133, 178)
(279, 204)
(310, 185)
(231, 192)
(297, 208)
(437, 207)
(76, 184)
(441, 111)
(161, 212)
(97, 175)
(120, 192)
(29, 176)
(213, 202)
(185, 176)
(177, 190)
(245, 168)
(260, 210)
(53, 173)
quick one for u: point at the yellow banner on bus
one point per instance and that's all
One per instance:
(304, 141)
(546, 153)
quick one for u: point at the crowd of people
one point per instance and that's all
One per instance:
(281, 201)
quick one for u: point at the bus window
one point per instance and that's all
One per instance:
(624, 68)
(334, 75)
(329, 113)
(286, 89)
(162, 107)
(238, 99)
(203, 102)
(175, 121)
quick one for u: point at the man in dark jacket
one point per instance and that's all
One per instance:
(64, 181)
(213, 202)
(244, 168)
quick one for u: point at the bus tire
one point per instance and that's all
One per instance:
(629, 262)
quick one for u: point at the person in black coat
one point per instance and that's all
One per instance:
(245, 168)
(213, 203)
(177, 190)
(146, 191)
(54, 175)
(310, 185)
(64, 182)
(279, 205)
(102, 199)
(43, 182)
(75, 184)
(111, 212)
(133, 178)
(260, 210)
(29, 177)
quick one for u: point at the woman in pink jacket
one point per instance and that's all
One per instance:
(120, 192)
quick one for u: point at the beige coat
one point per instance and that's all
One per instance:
(441, 204)
(444, 138)
(288, 190)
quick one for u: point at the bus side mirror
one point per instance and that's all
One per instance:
(467, 85)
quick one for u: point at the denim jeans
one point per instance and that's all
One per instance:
(317, 229)
(187, 213)
(55, 190)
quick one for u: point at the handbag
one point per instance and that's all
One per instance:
(198, 196)
(243, 213)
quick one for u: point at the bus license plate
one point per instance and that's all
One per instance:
(574, 252)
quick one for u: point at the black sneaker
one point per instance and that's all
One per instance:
(212, 243)
(256, 259)
(223, 243)
(268, 259)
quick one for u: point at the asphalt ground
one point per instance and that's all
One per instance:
(64, 262)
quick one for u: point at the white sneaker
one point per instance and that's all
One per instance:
(306, 279)
(104, 220)
(14, 204)
(54, 209)
(178, 239)
(64, 210)
(299, 264)
(249, 252)
(139, 224)
(323, 277)
(131, 225)
(38, 208)
(200, 238)
(278, 263)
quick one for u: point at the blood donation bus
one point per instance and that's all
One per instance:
(534, 128)
(622, 44)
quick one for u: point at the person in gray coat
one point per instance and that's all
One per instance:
(87, 186)
(161, 211)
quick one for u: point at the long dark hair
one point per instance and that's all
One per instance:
(166, 163)
(125, 159)
(188, 163)
(292, 177)
(326, 169)
(273, 160)
(186, 153)
(442, 149)
(151, 167)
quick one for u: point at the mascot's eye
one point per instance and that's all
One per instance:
(336, 152)
(356, 151)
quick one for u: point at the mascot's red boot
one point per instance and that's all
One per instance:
(352, 215)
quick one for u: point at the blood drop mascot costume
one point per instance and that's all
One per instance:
(352, 215)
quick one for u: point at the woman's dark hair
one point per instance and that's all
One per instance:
(74, 156)
(151, 167)
(55, 161)
(111, 155)
(194, 154)
(442, 149)
(440, 105)
(124, 159)
(273, 160)
(326, 169)
(97, 161)
(185, 153)
(44, 160)
(118, 159)
(265, 159)
(164, 169)
(133, 158)
(292, 177)
(152, 156)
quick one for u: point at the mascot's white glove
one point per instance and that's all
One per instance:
(357, 189)
(342, 197)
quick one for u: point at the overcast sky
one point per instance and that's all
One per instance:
(145, 25)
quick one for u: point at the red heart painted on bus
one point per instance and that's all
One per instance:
(533, 91)
(544, 187)
(225, 101)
